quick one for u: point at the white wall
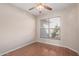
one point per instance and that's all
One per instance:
(78, 26)
(17, 27)
(69, 28)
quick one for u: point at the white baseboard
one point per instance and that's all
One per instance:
(72, 49)
(27, 43)
(60, 46)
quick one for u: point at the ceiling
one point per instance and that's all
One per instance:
(35, 12)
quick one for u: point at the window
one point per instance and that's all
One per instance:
(50, 28)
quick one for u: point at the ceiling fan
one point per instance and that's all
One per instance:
(41, 6)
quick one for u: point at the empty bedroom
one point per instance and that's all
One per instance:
(39, 29)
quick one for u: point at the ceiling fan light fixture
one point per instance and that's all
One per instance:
(40, 7)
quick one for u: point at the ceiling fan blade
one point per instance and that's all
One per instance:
(47, 7)
(31, 8)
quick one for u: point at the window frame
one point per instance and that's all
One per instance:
(50, 28)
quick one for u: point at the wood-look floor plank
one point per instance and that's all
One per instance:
(41, 49)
